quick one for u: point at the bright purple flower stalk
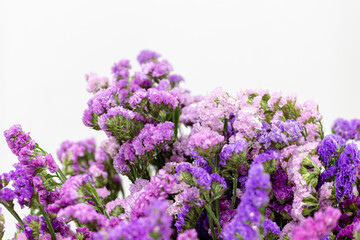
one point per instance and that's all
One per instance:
(180, 222)
(248, 214)
(317, 227)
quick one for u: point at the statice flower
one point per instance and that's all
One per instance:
(119, 116)
(317, 227)
(280, 132)
(76, 156)
(17, 139)
(147, 55)
(175, 79)
(330, 147)
(269, 154)
(95, 83)
(253, 200)
(347, 129)
(154, 96)
(70, 192)
(281, 188)
(214, 108)
(345, 177)
(202, 177)
(159, 187)
(156, 223)
(189, 234)
(121, 69)
(84, 213)
(205, 139)
(271, 227)
(22, 188)
(230, 149)
(151, 135)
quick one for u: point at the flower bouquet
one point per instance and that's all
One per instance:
(252, 166)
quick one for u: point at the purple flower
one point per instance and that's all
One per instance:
(156, 223)
(151, 136)
(254, 198)
(147, 55)
(22, 186)
(281, 189)
(270, 226)
(317, 227)
(84, 213)
(329, 147)
(205, 139)
(69, 192)
(280, 132)
(17, 139)
(230, 149)
(347, 129)
(327, 174)
(345, 177)
(121, 69)
(269, 154)
(181, 217)
(189, 234)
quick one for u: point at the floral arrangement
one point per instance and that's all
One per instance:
(254, 166)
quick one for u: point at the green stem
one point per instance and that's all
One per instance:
(234, 191)
(48, 222)
(14, 213)
(176, 117)
(211, 213)
(211, 225)
(97, 201)
(217, 208)
(42, 150)
(61, 175)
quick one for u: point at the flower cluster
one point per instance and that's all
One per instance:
(252, 166)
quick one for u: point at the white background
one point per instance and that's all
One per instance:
(311, 48)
